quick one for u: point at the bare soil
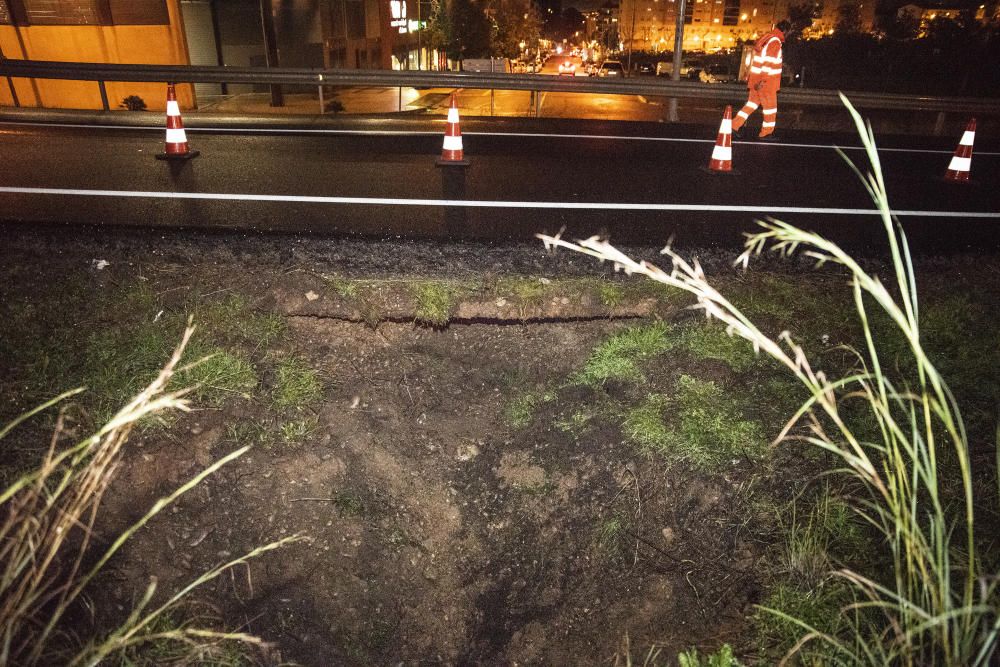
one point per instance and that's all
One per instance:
(436, 530)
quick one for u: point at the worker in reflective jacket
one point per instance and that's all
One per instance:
(764, 80)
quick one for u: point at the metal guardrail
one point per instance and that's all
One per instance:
(655, 87)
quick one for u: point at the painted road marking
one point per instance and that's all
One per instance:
(472, 133)
(475, 203)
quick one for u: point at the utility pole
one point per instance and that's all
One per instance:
(631, 36)
(675, 75)
(271, 49)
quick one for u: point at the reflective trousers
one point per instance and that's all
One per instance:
(767, 99)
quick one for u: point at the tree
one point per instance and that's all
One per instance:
(514, 21)
(461, 28)
(848, 18)
(801, 18)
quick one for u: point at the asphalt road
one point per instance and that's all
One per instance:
(635, 182)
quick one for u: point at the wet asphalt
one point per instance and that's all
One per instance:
(565, 165)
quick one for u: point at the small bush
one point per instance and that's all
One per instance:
(133, 103)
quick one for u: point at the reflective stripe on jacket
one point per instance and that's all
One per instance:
(766, 64)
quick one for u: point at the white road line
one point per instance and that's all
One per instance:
(475, 203)
(397, 133)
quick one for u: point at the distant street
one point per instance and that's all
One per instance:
(633, 181)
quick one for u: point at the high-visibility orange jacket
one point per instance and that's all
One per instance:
(765, 68)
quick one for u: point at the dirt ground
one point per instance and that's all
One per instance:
(441, 526)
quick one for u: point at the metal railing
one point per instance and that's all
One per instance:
(656, 87)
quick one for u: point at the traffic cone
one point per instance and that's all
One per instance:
(177, 145)
(961, 162)
(722, 154)
(452, 153)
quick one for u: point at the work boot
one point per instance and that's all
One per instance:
(767, 136)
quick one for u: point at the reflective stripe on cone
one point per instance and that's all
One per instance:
(452, 153)
(722, 154)
(176, 146)
(961, 163)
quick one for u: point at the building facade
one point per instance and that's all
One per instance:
(98, 31)
(711, 25)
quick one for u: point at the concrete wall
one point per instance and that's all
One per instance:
(138, 44)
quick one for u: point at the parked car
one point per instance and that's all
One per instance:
(690, 69)
(611, 68)
(718, 73)
(567, 68)
(645, 68)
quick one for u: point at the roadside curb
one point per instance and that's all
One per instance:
(192, 119)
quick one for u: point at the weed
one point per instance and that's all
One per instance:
(349, 504)
(297, 431)
(617, 357)
(722, 658)
(935, 591)
(435, 302)
(527, 291)
(249, 433)
(297, 385)
(645, 426)
(611, 294)
(705, 341)
(217, 375)
(346, 289)
(706, 429)
(819, 607)
(49, 515)
(610, 537)
(575, 423)
(521, 410)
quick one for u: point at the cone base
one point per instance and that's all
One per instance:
(720, 172)
(178, 156)
(958, 177)
(441, 162)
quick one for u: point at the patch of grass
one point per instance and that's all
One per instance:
(645, 425)
(722, 658)
(521, 410)
(349, 504)
(528, 291)
(819, 607)
(233, 320)
(611, 537)
(617, 358)
(218, 376)
(611, 294)
(249, 433)
(345, 288)
(709, 340)
(297, 385)
(575, 423)
(435, 302)
(704, 428)
(297, 431)
(830, 532)
(712, 431)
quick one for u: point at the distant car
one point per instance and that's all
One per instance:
(567, 68)
(718, 73)
(611, 68)
(645, 68)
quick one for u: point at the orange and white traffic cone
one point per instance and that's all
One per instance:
(177, 145)
(722, 154)
(452, 153)
(961, 162)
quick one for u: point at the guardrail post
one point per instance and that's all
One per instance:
(104, 95)
(13, 91)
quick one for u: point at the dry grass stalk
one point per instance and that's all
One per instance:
(47, 531)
